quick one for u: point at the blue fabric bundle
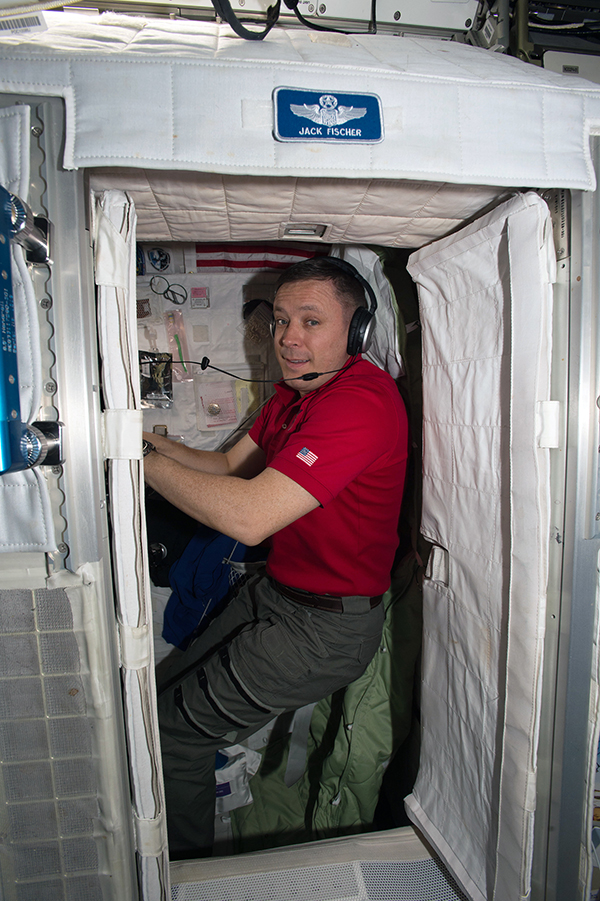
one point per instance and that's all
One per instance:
(201, 579)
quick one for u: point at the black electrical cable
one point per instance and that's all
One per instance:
(205, 363)
(373, 21)
(307, 377)
(293, 5)
(314, 25)
(224, 10)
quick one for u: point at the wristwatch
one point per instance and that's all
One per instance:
(147, 448)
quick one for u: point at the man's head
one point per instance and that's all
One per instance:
(314, 305)
(348, 289)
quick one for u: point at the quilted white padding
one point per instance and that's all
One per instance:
(192, 206)
(485, 297)
(158, 93)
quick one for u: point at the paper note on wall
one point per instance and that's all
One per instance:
(218, 405)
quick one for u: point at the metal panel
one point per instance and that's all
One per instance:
(569, 729)
(455, 14)
(60, 661)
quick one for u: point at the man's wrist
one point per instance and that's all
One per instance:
(147, 448)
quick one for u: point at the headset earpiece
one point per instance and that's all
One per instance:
(272, 325)
(360, 332)
(362, 324)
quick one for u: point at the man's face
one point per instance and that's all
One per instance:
(311, 332)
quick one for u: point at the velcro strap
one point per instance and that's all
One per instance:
(122, 434)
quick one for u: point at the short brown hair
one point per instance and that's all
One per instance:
(348, 289)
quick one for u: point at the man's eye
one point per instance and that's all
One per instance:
(313, 321)
(281, 322)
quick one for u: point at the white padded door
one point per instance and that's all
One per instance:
(485, 299)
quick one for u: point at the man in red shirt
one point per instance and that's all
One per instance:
(321, 475)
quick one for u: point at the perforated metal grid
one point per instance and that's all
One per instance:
(420, 880)
(48, 781)
(411, 880)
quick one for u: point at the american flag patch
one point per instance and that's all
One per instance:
(307, 456)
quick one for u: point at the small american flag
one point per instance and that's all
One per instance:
(307, 456)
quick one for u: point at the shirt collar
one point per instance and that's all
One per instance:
(290, 395)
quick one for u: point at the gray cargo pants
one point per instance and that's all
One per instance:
(262, 656)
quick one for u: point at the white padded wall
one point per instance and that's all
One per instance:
(485, 298)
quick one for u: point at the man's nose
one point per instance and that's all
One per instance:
(291, 334)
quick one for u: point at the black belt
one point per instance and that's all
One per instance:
(320, 601)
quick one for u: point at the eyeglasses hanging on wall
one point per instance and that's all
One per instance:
(177, 294)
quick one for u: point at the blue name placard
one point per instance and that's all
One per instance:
(302, 115)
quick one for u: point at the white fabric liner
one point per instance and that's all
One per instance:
(181, 206)
(115, 241)
(451, 112)
(384, 350)
(26, 520)
(485, 297)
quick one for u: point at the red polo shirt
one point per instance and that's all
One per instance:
(346, 443)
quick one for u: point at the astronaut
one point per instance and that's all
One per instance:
(320, 478)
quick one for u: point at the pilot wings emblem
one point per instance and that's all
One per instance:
(327, 111)
(302, 114)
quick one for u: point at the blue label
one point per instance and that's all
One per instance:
(301, 115)
(223, 789)
(11, 427)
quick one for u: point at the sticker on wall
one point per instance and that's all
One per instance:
(200, 334)
(199, 298)
(153, 259)
(159, 258)
(303, 115)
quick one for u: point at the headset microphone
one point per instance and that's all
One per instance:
(311, 376)
(307, 377)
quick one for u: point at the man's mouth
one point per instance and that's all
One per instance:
(294, 362)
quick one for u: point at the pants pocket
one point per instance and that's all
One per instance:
(367, 650)
(291, 650)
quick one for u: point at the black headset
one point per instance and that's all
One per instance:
(362, 324)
